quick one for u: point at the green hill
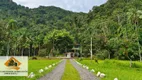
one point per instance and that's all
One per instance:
(114, 28)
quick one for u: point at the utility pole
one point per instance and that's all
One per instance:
(91, 48)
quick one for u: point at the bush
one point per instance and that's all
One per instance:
(103, 54)
(134, 65)
(81, 59)
(56, 53)
(34, 58)
(122, 57)
(42, 53)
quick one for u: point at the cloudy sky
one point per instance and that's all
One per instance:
(73, 5)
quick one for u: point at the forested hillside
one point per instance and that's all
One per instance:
(19, 23)
(114, 29)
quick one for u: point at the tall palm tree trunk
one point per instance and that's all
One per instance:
(8, 48)
(29, 52)
(22, 51)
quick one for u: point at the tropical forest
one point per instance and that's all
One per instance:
(103, 44)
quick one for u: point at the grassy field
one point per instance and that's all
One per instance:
(116, 69)
(34, 66)
(70, 72)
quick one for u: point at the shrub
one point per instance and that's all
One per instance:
(34, 58)
(134, 65)
(95, 59)
(56, 53)
(81, 59)
(103, 54)
(42, 53)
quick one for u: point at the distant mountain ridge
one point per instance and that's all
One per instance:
(25, 16)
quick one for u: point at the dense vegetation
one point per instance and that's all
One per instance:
(114, 29)
(24, 31)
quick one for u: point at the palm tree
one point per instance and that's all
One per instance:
(134, 17)
(90, 32)
(11, 26)
(23, 40)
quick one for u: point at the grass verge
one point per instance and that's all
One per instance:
(116, 69)
(70, 72)
(34, 66)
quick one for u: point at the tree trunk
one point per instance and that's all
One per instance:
(118, 18)
(34, 51)
(14, 51)
(130, 61)
(139, 51)
(137, 31)
(22, 51)
(53, 49)
(140, 57)
(38, 47)
(29, 52)
(65, 49)
(8, 48)
(81, 51)
(109, 56)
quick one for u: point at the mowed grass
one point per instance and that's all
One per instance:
(34, 66)
(70, 72)
(116, 69)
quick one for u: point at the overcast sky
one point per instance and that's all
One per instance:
(73, 5)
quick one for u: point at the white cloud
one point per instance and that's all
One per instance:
(73, 5)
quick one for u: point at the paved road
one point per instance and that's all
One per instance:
(84, 73)
(56, 74)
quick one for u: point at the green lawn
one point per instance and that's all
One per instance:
(116, 68)
(70, 72)
(34, 66)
